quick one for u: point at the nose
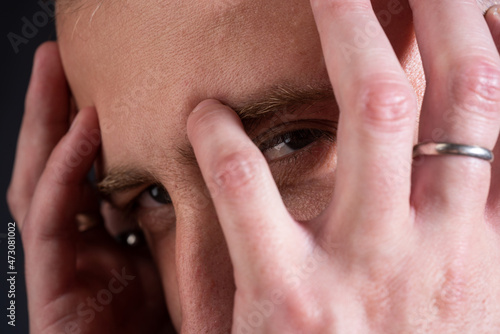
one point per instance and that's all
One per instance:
(204, 270)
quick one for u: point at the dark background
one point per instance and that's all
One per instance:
(14, 78)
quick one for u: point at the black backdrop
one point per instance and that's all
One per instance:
(25, 24)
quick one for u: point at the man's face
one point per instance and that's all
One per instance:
(145, 65)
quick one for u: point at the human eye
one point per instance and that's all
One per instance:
(154, 196)
(290, 142)
(302, 159)
(150, 208)
(295, 139)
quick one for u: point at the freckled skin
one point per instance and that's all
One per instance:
(145, 65)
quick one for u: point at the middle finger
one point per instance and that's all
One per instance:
(377, 117)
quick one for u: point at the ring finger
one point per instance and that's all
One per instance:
(460, 106)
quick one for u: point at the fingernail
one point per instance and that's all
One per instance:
(204, 103)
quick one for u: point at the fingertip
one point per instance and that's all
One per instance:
(493, 11)
(492, 16)
(86, 127)
(195, 113)
(87, 115)
(202, 115)
(46, 54)
(90, 115)
(74, 155)
(493, 19)
(47, 95)
(206, 103)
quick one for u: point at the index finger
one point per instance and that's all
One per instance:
(260, 233)
(50, 231)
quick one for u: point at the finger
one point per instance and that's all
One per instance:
(461, 104)
(377, 119)
(49, 233)
(45, 121)
(257, 227)
(493, 20)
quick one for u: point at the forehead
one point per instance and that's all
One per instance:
(186, 39)
(145, 65)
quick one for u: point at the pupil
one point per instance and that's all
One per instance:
(301, 138)
(159, 194)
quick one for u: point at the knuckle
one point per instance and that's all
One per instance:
(13, 200)
(306, 317)
(476, 87)
(238, 172)
(11, 196)
(454, 290)
(387, 105)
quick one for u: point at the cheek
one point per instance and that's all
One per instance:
(195, 267)
(193, 258)
(163, 250)
(307, 187)
(204, 270)
(307, 201)
(172, 292)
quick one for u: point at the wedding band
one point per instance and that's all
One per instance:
(87, 222)
(430, 148)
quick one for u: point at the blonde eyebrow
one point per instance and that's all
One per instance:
(279, 99)
(120, 179)
(282, 98)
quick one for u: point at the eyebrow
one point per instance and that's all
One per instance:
(280, 99)
(120, 179)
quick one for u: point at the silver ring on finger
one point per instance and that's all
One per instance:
(473, 151)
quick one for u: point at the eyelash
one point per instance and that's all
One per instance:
(268, 140)
(320, 130)
(286, 138)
